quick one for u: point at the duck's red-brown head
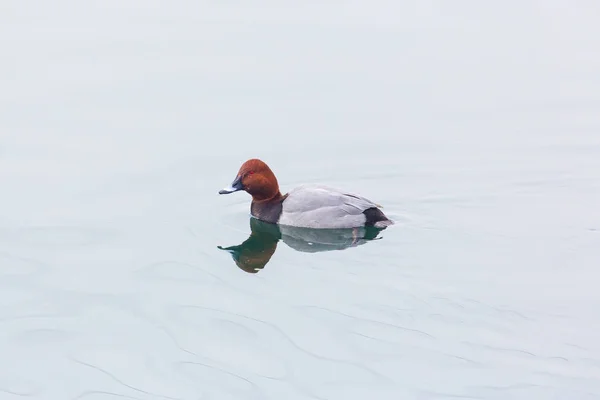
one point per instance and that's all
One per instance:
(256, 178)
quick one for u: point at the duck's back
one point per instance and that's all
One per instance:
(317, 206)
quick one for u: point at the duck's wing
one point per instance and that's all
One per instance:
(319, 206)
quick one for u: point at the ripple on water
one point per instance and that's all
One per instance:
(18, 387)
(218, 383)
(228, 338)
(101, 395)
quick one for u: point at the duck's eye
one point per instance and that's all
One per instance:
(251, 173)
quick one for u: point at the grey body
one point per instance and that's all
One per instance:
(317, 206)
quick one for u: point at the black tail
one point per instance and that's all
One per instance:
(375, 217)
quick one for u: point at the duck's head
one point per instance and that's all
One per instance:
(256, 178)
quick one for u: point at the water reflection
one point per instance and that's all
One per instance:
(256, 251)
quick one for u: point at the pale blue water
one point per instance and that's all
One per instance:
(477, 126)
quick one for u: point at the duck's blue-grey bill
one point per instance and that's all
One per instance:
(235, 186)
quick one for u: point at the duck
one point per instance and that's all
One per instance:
(306, 206)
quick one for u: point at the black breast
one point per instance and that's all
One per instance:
(268, 211)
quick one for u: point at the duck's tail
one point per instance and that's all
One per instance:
(375, 217)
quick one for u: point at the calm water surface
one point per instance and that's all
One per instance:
(476, 126)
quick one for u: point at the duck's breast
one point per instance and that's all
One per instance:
(316, 206)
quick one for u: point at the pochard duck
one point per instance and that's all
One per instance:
(307, 206)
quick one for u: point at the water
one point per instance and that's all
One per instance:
(476, 126)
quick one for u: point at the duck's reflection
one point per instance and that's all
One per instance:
(256, 251)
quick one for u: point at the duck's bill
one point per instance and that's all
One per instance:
(228, 190)
(236, 185)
